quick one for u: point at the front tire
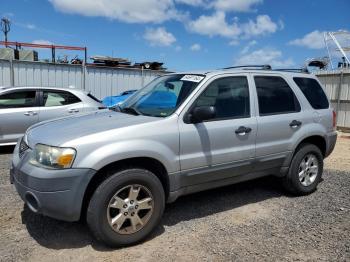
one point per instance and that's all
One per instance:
(126, 207)
(305, 171)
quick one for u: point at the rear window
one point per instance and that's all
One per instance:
(313, 92)
(59, 98)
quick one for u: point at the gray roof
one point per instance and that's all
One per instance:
(244, 70)
(71, 89)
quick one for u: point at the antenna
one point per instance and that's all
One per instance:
(5, 27)
(338, 46)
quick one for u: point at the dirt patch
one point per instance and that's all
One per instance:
(340, 158)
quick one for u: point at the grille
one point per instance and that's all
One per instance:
(23, 147)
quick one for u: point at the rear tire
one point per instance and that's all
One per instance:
(126, 207)
(305, 171)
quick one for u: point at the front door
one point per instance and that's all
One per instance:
(225, 145)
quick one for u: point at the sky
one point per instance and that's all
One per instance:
(184, 34)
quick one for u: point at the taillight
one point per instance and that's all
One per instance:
(334, 119)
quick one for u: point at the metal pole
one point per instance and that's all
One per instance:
(5, 27)
(53, 54)
(339, 91)
(84, 74)
(12, 73)
(6, 39)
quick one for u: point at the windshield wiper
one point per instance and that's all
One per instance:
(115, 108)
(130, 110)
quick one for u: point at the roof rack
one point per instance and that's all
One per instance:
(297, 70)
(263, 67)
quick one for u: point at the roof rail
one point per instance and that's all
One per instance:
(298, 70)
(263, 67)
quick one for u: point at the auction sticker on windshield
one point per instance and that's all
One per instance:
(192, 78)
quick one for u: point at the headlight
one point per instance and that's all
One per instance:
(53, 157)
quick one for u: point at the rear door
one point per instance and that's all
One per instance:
(279, 119)
(58, 103)
(18, 111)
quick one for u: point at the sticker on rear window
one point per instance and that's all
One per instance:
(192, 78)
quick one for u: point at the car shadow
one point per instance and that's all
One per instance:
(4, 150)
(55, 234)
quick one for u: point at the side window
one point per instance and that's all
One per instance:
(58, 98)
(18, 99)
(275, 96)
(313, 92)
(229, 95)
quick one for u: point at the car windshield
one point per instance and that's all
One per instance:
(162, 96)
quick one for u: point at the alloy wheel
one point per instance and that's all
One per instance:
(308, 169)
(130, 209)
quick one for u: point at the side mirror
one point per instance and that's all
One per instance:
(200, 114)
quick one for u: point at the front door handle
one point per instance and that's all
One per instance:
(295, 124)
(242, 130)
(74, 110)
(30, 113)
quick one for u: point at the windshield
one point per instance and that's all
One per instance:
(162, 96)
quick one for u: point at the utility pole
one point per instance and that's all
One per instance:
(5, 27)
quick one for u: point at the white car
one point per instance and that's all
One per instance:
(21, 107)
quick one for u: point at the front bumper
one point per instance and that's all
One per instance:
(55, 193)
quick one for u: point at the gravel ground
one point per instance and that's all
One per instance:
(251, 221)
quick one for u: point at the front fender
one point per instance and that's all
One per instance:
(107, 154)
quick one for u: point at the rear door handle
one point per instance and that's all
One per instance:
(295, 124)
(242, 130)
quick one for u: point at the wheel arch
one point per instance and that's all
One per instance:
(151, 164)
(316, 140)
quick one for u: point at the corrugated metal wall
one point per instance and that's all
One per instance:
(101, 81)
(114, 81)
(106, 81)
(337, 85)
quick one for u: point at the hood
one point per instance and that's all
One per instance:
(58, 131)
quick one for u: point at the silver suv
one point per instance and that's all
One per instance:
(182, 133)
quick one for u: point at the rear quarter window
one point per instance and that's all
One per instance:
(59, 98)
(313, 92)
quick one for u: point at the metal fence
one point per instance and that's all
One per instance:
(337, 85)
(101, 81)
(106, 81)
